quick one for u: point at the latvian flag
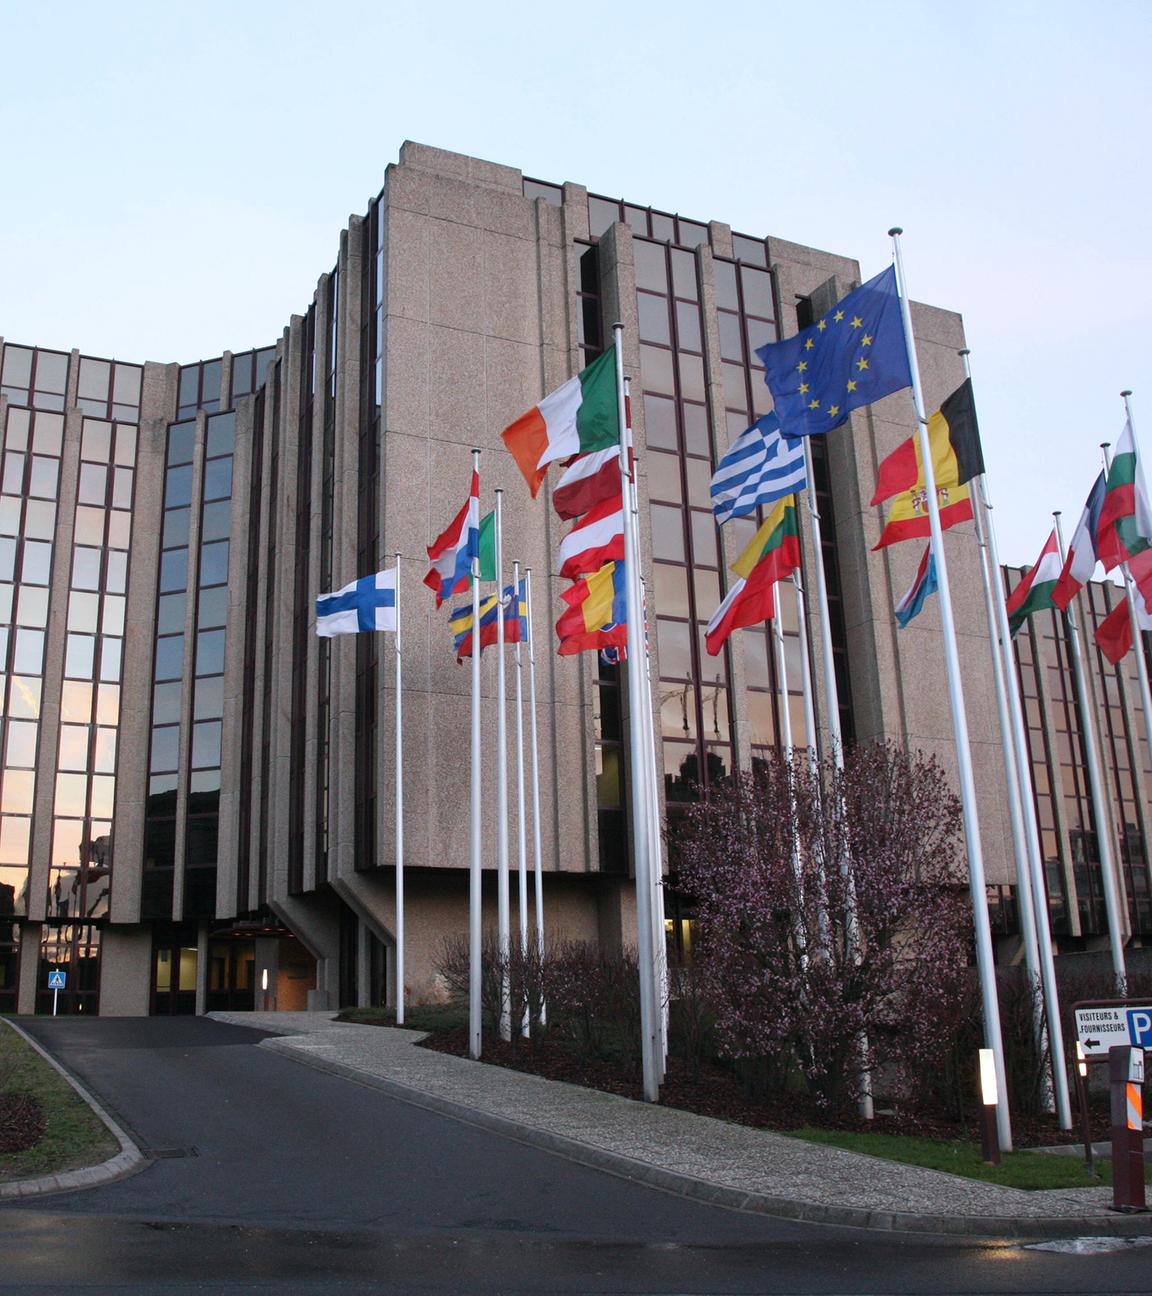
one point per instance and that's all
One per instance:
(574, 419)
(597, 539)
(1034, 593)
(589, 479)
(455, 548)
(912, 604)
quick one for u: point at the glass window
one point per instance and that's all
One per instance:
(692, 234)
(49, 434)
(699, 476)
(173, 570)
(14, 839)
(189, 385)
(678, 711)
(601, 215)
(760, 333)
(165, 749)
(10, 508)
(731, 343)
(664, 477)
(684, 275)
(209, 699)
(166, 703)
(40, 520)
(116, 573)
(14, 472)
(757, 285)
(7, 593)
(43, 478)
(85, 569)
(656, 368)
(176, 526)
(119, 528)
(696, 438)
(653, 313)
(24, 697)
(214, 563)
(181, 437)
(221, 435)
(178, 487)
(21, 749)
(756, 674)
(213, 607)
(93, 483)
(111, 652)
(170, 613)
(28, 657)
(671, 590)
(19, 785)
(707, 587)
(663, 227)
(32, 609)
(113, 615)
(688, 327)
(667, 533)
(169, 657)
(103, 796)
(210, 387)
(637, 219)
(8, 559)
(704, 552)
(96, 444)
(218, 479)
(51, 372)
(122, 488)
(651, 270)
(73, 747)
(89, 529)
(79, 660)
(210, 652)
(76, 701)
(36, 567)
(17, 366)
(126, 386)
(16, 434)
(692, 377)
(125, 444)
(216, 521)
(727, 294)
(206, 744)
(748, 249)
(674, 645)
(660, 422)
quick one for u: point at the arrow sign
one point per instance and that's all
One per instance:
(1098, 1029)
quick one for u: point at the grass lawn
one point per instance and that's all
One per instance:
(421, 1017)
(74, 1136)
(1016, 1170)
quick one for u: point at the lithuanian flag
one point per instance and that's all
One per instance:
(954, 437)
(773, 554)
(574, 419)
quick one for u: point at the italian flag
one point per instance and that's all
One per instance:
(1034, 593)
(577, 418)
(1125, 526)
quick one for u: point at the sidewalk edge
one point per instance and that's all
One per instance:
(682, 1185)
(128, 1161)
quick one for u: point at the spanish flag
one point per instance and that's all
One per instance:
(597, 614)
(954, 436)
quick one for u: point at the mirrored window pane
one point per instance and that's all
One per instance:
(104, 753)
(96, 444)
(108, 704)
(32, 609)
(214, 563)
(217, 479)
(28, 655)
(111, 651)
(178, 487)
(213, 607)
(76, 701)
(173, 570)
(80, 656)
(170, 657)
(181, 438)
(221, 435)
(113, 615)
(73, 747)
(206, 744)
(40, 520)
(24, 697)
(660, 422)
(170, 613)
(116, 572)
(21, 743)
(216, 521)
(651, 270)
(14, 839)
(85, 569)
(43, 477)
(209, 698)
(667, 533)
(165, 749)
(89, 526)
(36, 567)
(19, 786)
(210, 652)
(166, 703)
(103, 795)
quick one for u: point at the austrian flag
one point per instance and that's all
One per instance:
(597, 538)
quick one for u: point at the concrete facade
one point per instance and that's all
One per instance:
(456, 302)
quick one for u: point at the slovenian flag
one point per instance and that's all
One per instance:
(455, 548)
(515, 616)
(597, 539)
(912, 604)
(597, 613)
(574, 419)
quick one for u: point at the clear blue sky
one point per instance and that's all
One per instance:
(176, 175)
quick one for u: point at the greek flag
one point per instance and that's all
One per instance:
(760, 467)
(366, 604)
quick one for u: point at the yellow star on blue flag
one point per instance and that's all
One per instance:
(852, 356)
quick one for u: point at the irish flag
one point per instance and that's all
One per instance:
(1034, 593)
(1125, 525)
(574, 419)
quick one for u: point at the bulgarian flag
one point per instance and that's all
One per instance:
(1081, 560)
(598, 538)
(1125, 526)
(597, 612)
(1114, 633)
(1034, 593)
(772, 555)
(574, 419)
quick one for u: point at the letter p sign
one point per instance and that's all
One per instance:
(1140, 1027)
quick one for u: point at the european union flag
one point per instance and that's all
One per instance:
(851, 357)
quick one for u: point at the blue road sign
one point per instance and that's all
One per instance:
(1140, 1027)
(56, 980)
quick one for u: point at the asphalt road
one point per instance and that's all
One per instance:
(270, 1176)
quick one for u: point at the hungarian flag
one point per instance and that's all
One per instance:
(773, 554)
(1114, 633)
(954, 436)
(1080, 562)
(598, 538)
(1034, 593)
(589, 479)
(597, 612)
(574, 419)
(1125, 526)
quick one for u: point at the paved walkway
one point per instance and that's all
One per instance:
(696, 1156)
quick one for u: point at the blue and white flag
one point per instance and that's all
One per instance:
(760, 467)
(366, 604)
(912, 604)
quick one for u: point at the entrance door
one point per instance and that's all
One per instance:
(174, 968)
(231, 975)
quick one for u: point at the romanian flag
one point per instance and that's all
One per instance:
(515, 615)
(1125, 525)
(597, 613)
(772, 555)
(597, 538)
(954, 436)
(574, 419)
(1034, 593)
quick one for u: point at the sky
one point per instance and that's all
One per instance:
(175, 176)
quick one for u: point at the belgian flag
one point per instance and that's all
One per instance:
(954, 437)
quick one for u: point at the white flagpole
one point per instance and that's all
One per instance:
(805, 667)
(1021, 802)
(985, 955)
(521, 822)
(534, 753)
(649, 1043)
(475, 878)
(835, 742)
(1129, 585)
(399, 816)
(1101, 811)
(502, 905)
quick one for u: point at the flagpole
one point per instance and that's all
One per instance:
(985, 955)
(1129, 583)
(1100, 809)
(836, 743)
(399, 815)
(813, 753)
(789, 755)
(535, 759)
(502, 905)
(475, 930)
(521, 823)
(638, 749)
(1021, 797)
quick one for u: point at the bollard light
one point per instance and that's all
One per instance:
(264, 980)
(989, 1097)
(1081, 1061)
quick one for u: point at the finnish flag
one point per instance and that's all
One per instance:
(366, 604)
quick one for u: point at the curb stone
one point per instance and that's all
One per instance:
(682, 1185)
(128, 1161)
